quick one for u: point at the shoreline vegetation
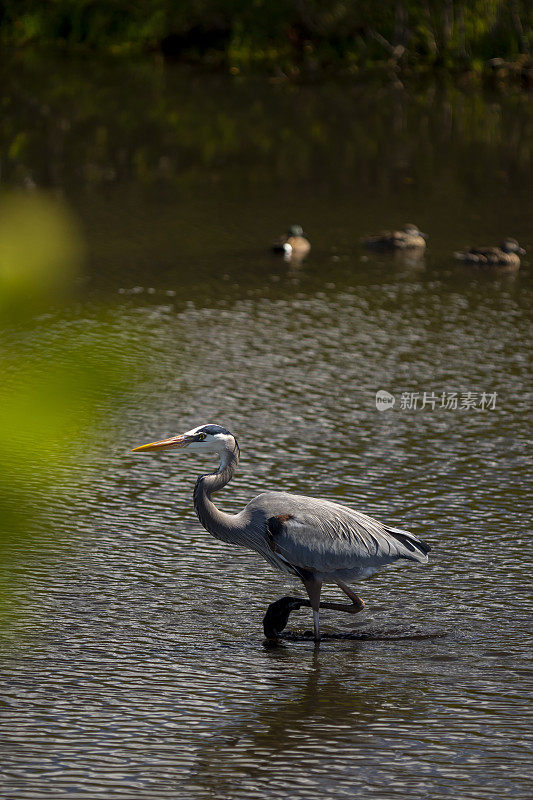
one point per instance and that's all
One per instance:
(489, 39)
(144, 123)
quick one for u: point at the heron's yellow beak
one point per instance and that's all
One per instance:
(164, 444)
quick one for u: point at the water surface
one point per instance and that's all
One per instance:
(138, 667)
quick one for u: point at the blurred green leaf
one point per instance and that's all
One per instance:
(40, 253)
(61, 385)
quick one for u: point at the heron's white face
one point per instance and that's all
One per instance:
(204, 438)
(207, 441)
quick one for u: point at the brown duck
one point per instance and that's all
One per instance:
(294, 244)
(407, 237)
(506, 255)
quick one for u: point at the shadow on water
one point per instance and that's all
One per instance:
(370, 634)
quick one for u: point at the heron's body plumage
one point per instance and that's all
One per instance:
(329, 540)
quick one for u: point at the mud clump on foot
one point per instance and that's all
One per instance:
(278, 613)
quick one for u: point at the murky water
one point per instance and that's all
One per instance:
(141, 670)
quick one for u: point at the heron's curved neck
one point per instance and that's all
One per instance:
(223, 526)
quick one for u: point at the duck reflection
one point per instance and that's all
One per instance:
(408, 260)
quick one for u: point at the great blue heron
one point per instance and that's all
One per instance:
(316, 540)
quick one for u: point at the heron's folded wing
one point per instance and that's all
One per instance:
(332, 537)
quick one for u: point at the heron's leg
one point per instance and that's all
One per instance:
(357, 603)
(314, 587)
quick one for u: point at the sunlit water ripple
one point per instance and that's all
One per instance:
(142, 671)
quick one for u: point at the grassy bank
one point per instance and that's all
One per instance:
(300, 36)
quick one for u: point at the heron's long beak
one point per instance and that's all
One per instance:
(164, 444)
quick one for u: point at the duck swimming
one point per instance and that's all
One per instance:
(506, 255)
(294, 244)
(407, 237)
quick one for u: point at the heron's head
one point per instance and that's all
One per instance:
(511, 246)
(206, 438)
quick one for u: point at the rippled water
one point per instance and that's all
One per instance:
(138, 666)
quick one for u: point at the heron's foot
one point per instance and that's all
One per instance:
(357, 604)
(350, 608)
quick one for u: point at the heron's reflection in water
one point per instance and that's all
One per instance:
(313, 725)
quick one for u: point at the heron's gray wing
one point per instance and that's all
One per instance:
(322, 536)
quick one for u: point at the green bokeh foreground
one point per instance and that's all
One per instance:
(58, 392)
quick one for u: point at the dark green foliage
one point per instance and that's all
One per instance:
(288, 34)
